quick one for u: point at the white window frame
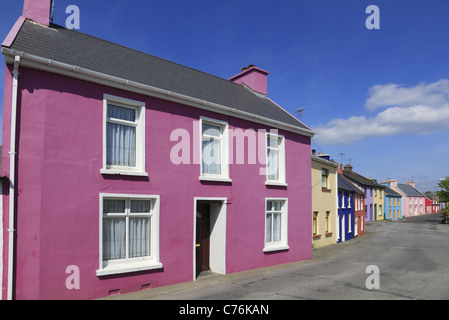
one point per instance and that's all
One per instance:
(139, 169)
(283, 243)
(324, 178)
(128, 265)
(281, 181)
(315, 224)
(350, 223)
(224, 138)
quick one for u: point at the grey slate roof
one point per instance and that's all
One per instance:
(390, 192)
(75, 48)
(351, 175)
(409, 190)
(345, 184)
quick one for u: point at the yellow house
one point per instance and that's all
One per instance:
(324, 201)
(378, 201)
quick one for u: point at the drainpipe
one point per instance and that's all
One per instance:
(12, 175)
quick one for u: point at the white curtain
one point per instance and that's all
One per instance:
(272, 158)
(140, 229)
(212, 157)
(114, 238)
(273, 227)
(115, 233)
(211, 149)
(277, 227)
(139, 237)
(268, 228)
(121, 138)
(273, 221)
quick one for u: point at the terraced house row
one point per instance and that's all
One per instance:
(344, 200)
(122, 171)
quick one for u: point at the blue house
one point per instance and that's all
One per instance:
(393, 203)
(345, 221)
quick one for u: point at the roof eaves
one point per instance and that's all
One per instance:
(125, 84)
(350, 184)
(324, 161)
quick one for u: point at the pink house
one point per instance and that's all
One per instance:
(413, 200)
(128, 172)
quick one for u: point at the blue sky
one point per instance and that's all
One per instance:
(381, 97)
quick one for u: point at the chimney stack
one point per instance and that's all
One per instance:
(393, 183)
(253, 77)
(37, 10)
(348, 168)
(340, 169)
(410, 183)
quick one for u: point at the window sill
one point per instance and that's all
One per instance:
(124, 172)
(316, 236)
(276, 183)
(275, 248)
(326, 190)
(219, 179)
(128, 268)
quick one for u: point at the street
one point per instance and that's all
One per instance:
(412, 257)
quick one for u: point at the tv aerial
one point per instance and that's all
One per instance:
(300, 111)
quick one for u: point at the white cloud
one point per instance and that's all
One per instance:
(419, 110)
(391, 95)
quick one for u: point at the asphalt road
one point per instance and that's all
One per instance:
(412, 257)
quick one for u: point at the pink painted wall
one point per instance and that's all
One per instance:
(420, 208)
(59, 182)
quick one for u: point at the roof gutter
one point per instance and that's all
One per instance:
(33, 61)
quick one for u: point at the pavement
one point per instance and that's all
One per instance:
(412, 257)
